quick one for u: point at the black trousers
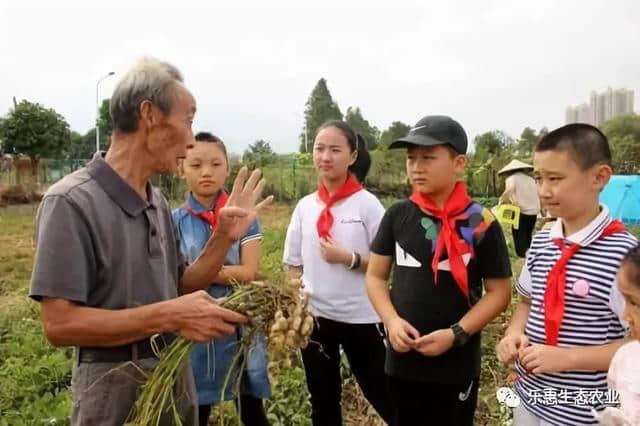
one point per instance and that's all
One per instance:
(424, 403)
(364, 347)
(251, 412)
(522, 235)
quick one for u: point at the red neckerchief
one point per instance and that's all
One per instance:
(557, 280)
(449, 238)
(325, 220)
(210, 216)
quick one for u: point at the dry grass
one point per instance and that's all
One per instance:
(356, 410)
(276, 216)
(16, 259)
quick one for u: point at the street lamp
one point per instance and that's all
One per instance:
(98, 110)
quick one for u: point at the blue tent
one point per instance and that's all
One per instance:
(622, 197)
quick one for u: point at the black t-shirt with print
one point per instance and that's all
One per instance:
(409, 235)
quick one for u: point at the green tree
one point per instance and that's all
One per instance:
(626, 155)
(370, 133)
(35, 131)
(543, 132)
(396, 130)
(528, 140)
(259, 154)
(492, 150)
(85, 146)
(105, 124)
(624, 125)
(319, 108)
(492, 142)
(82, 146)
(624, 137)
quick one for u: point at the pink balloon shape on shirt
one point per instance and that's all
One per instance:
(581, 288)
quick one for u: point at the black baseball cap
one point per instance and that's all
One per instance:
(435, 130)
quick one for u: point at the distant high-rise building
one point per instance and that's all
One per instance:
(585, 114)
(601, 107)
(622, 102)
(571, 115)
(629, 106)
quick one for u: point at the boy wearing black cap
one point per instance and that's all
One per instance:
(444, 249)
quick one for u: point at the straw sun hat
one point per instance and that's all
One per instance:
(515, 165)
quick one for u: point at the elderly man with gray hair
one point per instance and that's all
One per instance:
(108, 271)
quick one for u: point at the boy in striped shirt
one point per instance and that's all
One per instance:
(568, 325)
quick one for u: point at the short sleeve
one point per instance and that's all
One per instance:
(292, 255)
(617, 303)
(510, 184)
(524, 284)
(253, 233)
(65, 261)
(384, 242)
(373, 214)
(180, 261)
(492, 253)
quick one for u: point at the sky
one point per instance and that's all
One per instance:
(491, 65)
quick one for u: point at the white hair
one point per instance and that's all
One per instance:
(148, 80)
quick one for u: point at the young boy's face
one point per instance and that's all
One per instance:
(631, 292)
(205, 168)
(564, 188)
(432, 169)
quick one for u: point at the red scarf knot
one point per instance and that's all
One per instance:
(449, 238)
(325, 220)
(210, 216)
(557, 281)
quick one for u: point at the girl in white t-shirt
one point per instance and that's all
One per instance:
(624, 371)
(327, 244)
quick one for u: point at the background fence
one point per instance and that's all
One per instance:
(288, 179)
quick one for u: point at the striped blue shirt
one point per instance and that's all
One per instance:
(593, 319)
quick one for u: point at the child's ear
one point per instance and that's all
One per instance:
(460, 163)
(181, 168)
(354, 157)
(602, 174)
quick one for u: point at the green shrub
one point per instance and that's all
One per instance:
(289, 404)
(35, 377)
(487, 202)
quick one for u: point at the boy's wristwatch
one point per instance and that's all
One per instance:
(460, 336)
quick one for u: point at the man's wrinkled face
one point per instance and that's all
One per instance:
(169, 135)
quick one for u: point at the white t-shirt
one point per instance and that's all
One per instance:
(624, 376)
(521, 190)
(335, 292)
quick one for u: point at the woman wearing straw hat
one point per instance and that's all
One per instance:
(520, 190)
